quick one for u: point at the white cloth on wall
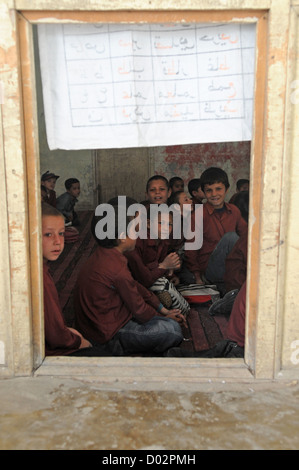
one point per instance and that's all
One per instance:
(139, 85)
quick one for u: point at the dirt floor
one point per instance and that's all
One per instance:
(51, 413)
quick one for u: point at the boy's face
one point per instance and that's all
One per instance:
(215, 194)
(50, 183)
(52, 237)
(127, 243)
(178, 186)
(157, 192)
(74, 189)
(164, 229)
(244, 187)
(198, 194)
(184, 200)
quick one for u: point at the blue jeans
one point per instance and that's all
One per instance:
(216, 265)
(156, 336)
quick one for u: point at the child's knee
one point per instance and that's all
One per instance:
(230, 237)
(173, 328)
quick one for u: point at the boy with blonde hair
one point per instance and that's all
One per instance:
(60, 340)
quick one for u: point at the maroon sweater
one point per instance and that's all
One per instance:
(236, 325)
(215, 225)
(144, 260)
(107, 296)
(59, 340)
(236, 265)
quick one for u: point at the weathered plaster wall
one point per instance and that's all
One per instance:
(189, 161)
(276, 325)
(290, 254)
(15, 323)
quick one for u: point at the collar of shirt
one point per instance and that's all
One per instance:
(212, 209)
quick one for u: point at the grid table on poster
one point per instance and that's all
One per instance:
(151, 74)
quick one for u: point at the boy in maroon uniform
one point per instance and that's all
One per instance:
(60, 340)
(222, 226)
(150, 259)
(48, 181)
(114, 309)
(195, 191)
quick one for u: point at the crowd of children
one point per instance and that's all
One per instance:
(117, 311)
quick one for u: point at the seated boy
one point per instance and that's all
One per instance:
(195, 191)
(150, 259)
(184, 205)
(157, 190)
(176, 183)
(235, 264)
(236, 261)
(48, 181)
(242, 185)
(59, 339)
(66, 202)
(222, 226)
(114, 309)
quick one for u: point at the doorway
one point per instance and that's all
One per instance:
(257, 143)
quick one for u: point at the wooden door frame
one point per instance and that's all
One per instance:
(129, 368)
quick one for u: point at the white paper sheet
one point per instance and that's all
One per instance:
(120, 85)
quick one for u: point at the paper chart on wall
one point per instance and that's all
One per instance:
(138, 85)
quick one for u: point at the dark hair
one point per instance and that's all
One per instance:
(241, 200)
(174, 179)
(114, 202)
(214, 175)
(48, 210)
(157, 177)
(68, 183)
(174, 197)
(241, 182)
(193, 185)
(47, 176)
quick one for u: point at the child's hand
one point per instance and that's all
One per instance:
(84, 342)
(176, 315)
(172, 261)
(174, 279)
(198, 279)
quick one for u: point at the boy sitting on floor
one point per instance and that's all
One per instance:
(195, 191)
(222, 226)
(60, 340)
(157, 190)
(185, 207)
(176, 183)
(150, 259)
(114, 309)
(66, 202)
(48, 182)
